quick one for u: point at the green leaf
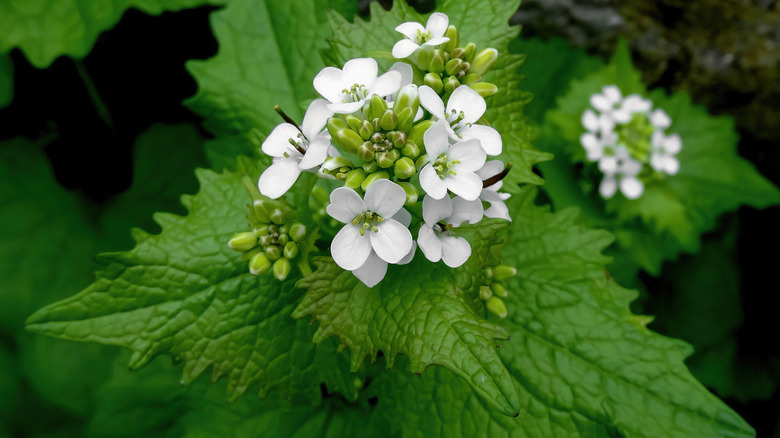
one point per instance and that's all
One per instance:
(487, 28)
(6, 80)
(185, 293)
(420, 310)
(268, 55)
(46, 29)
(577, 347)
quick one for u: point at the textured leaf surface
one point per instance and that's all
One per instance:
(6, 80)
(488, 28)
(46, 29)
(185, 293)
(419, 310)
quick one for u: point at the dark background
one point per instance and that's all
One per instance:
(89, 112)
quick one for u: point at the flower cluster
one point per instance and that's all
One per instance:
(627, 138)
(389, 142)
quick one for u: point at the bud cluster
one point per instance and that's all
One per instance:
(493, 289)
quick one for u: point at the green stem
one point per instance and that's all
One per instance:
(100, 106)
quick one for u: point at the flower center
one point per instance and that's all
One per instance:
(422, 37)
(299, 143)
(368, 220)
(441, 227)
(636, 136)
(454, 118)
(444, 166)
(356, 93)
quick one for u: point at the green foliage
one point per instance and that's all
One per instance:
(6, 80)
(46, 29)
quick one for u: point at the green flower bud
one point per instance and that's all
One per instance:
(386, 159)
(411, 193)
(261, 230)
(397, 137)
(410, 149)
(282, 268)
(376, 176)
(488, 271)
(354, 122)
(434, 81)
(243, 241)
(450, 84)
(504, 272)
(483, 61)
(437, 62)
(418, 130)
(335, 124)
(485, 89)
(369, 167)
(459, 53)
(388, 120)
(333, 166)
(452, 34)
(259, 264)
(278, 216)
(273, 252)
(423, 58)
(421, 162)
(404, 168)
(283, 239)
(499, 290)
(266, 240)
(261, 213)
(355, 178)
(471, 78)
(366, 130)
(407, 97)
(497, 307)
(298, 231)
(453, 66)
(290, 250)
(376, 107)
(284, 229)
(348, 140)
(485, 293)
(405, 119)
(366, 151)
(470, 49)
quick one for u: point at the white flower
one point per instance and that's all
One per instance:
(620, 170)
(619, 110)
(436, 237)
(348, 89)
(416, 35)
(464, 108)
(664, 150)
(370, 226)
(451, 167)
(490, 194)
(374, 269)
(295, 150)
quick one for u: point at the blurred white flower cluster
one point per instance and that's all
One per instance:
(628, 139)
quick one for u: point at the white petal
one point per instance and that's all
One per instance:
(491, 168)
(387, 84)
(657, 139)
(672, 165)
(328, 83)
(407, 74)
(437, 24)
(392, 241)
(469, 153)
(608, 187)
(622, 115)
(409, 256)
(488, 137)
(346, 108)
(403, 217)
(404, 48)
(592, 146)
(658, 162)
(436, 140)
(660, 119)
(315, 118)
(630, 166)
(345, 204)
(372, 271)
(631, 187)
(436, 41)
(431, 101)
(608, 165)
(454, 250)
(316, 153)
(429, 243)
(278, 141)
(436, 210)
(410, 29)
(497, 210)
(606, 125)
(385, 198)
(612, 93)
(465, 211)
(360, 71)
(279, 177)
(673, 144)
(601, 103)
(634, 104)
(465, 184)
(431, 183)
(469, 101)
(590, 120)
(349, 249)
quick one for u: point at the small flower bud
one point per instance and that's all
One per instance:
(243, 241)
(354, 122)
(355, 178)
(497, 307)
(434, 81)
(411, 193)
(470, 49)
(418, 130)
(284, 229)
(452, 34)
(333, 165)
(458, 53)
(366, 130)
(261, 213)
(405, 120)
(488, 271)
(453, 66)
(421, 162)
(376, 176)
(485, 293)
(388, 120)
(483, 61)
(259, 264)
(282, 268)
(499, 290)
(423, 58)
(369, 167)
(376, 107)
(504, 272)
(485, 89)
(261, 230)
(437, 62)
(335, 124)
(410, 149)
(471, 78)
(386, 159)
(273, 252)
(278, 216)
(366, 151)
(404, 168)
(266, 240)
(283, 239)
(398, 138)
(407, 97)
(348, 140)
(297, 231)
(290, 250)
(450, 84)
